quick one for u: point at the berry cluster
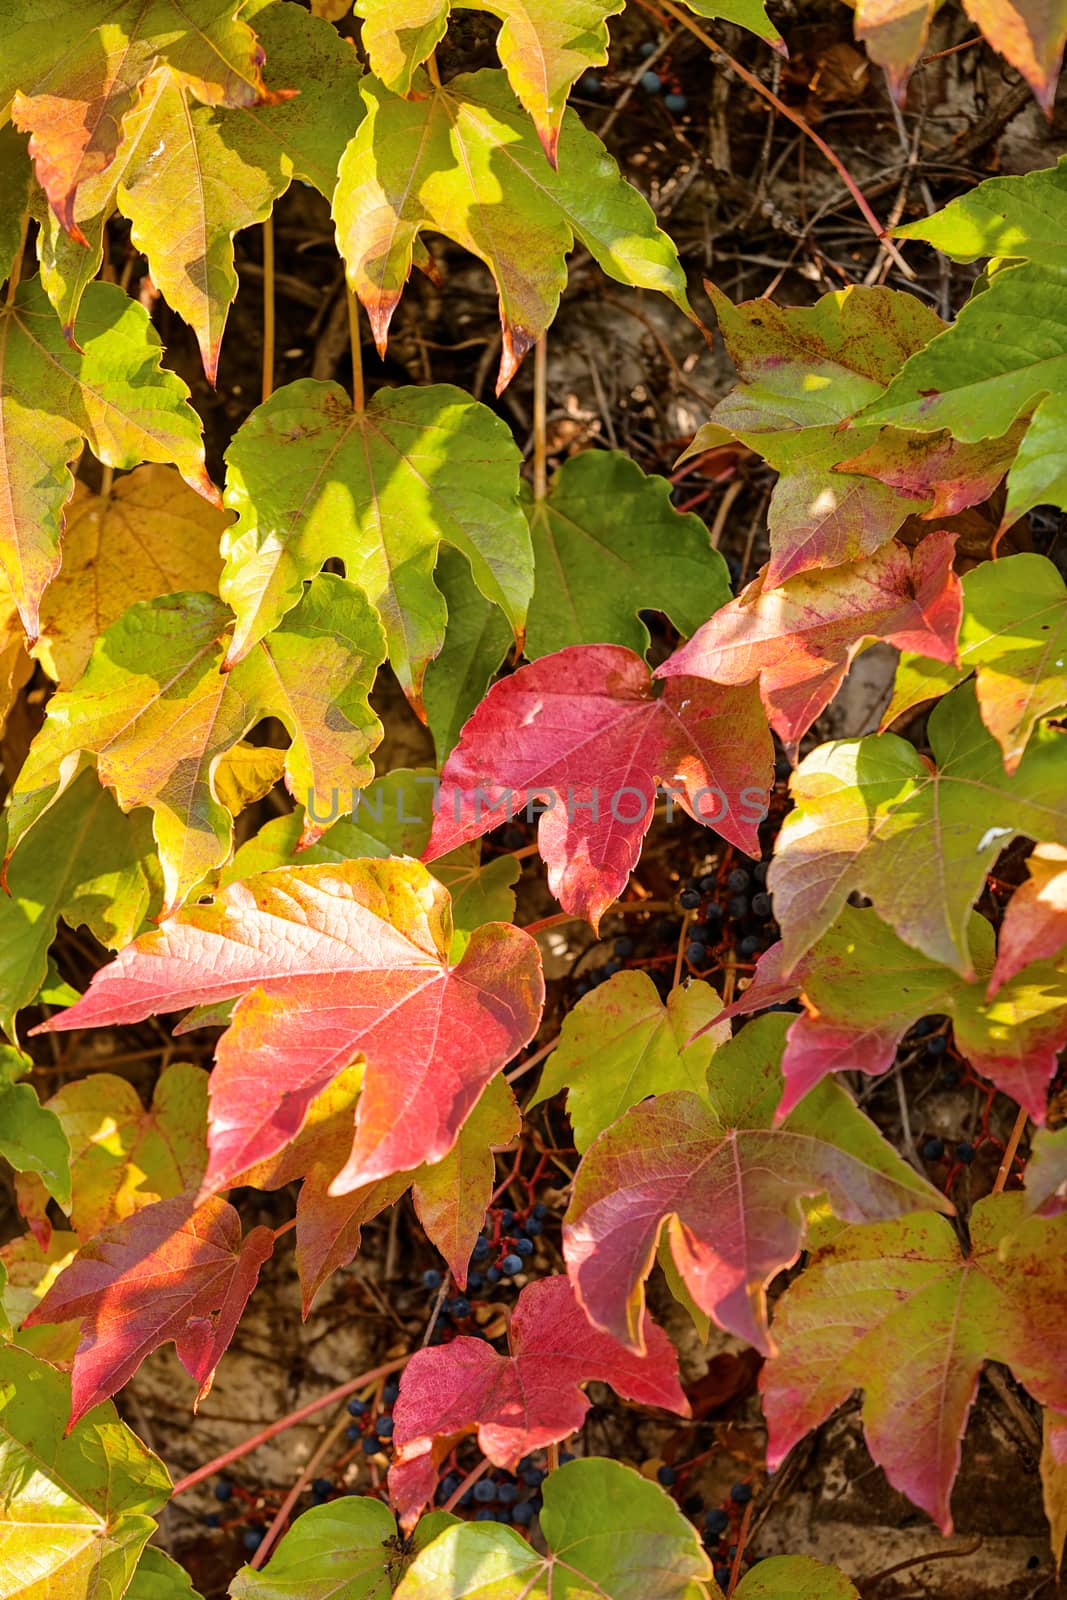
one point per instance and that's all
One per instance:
(371, 1429)
(742, 919)
(500, 1496)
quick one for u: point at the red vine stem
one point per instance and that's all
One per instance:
(792, 116)
(342, 1392)
(307, 1472)
(1009, 1154)
(472, 1478)
(742, 1540)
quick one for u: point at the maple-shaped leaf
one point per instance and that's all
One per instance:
(585, 731)
(171, 1271)
(123, 1157)
(1035, 923)
(329, 963)
(894, 1309)
(894, 33)
(609, 1533)
(1046, 1172)
(1014, 638)
(873, 816)
(477, 641)
(87, 864)
(608, 545)
(392, 816)
(463, 160)
(311, 478)
(27, 1272)
(159, 1577)
(1023, 216)
(863, 988)
(621, 1044)
(72, 72)
(543, 49)
(727, 1184)
(804, 371)
(522, 1401)
(936, 470)
(158, 711)
(78, 1506)
(1028, 33)
(189, 177)
(32, 1138)
(110, 393)
(347, 1550)
(800, 639)
(150, 535)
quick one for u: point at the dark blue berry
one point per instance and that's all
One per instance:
(507, 1493)
(458, 1308)
(708, 883)
(965, 1153)
(223, 1489)
(474, 1281)
(924, 1026)
(371, 1445)
(540, 1211)
(937, 1045)
(689, 899)
(524, 1247)
(391, 1393)
(950, 1078)
(565, 1456)
(675, 103)
(933, 1150)
(696, 953)
(722, 1576)
(738, 881)
(666, 1476)
(589, 85)
(431, 1279)
(212, 1520)
(252, 1537)
(466, 1500)
(494, 1275)
(748, 946)
(447, 1487)
(759, 872)
(761, 905)
(716, 1521)
(651, 82)
(507, 1220)
(353, 1433)
(485, 1514)
(741, 1494)
(383, 1427)
(510, 1265)
(737, 907)
(532, 1227)
(357, 1407)
(524, 1513)
(533, 1477)
(482, 1247)
(648, 48)
(624, 947)
(485, 1491)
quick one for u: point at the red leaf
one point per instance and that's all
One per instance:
(169, 1272)
(522, 1401)
(584, 730)
(1035, 923)
(799, 639)
(333, 962)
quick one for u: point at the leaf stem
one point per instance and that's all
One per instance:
(792, 116)
(431, 69)
(16, 265)
(268, 310)
(307, 1472)
(342, 1391)
(1004, 1172)
(540, 415)
(107, 478)
(356, 346)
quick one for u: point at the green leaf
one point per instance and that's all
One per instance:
(463, 160)
(311, 478)
(159, 1578)
(1014, 636)
(158, 713)
(109, 391)
(453, 1195)
(608, 544)
(609, 1532)
(799, 1578)
(347, 1550)
(77, 1508)
(189, 177)
(15, 175)
(477, 639)
(750, 14)
(1038, 476)
(806, 370)
(544, 48)
(872, 817)
(392, 818)
(1021, 216)
(621, 1043)
(32, 1139)
(88, 864)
